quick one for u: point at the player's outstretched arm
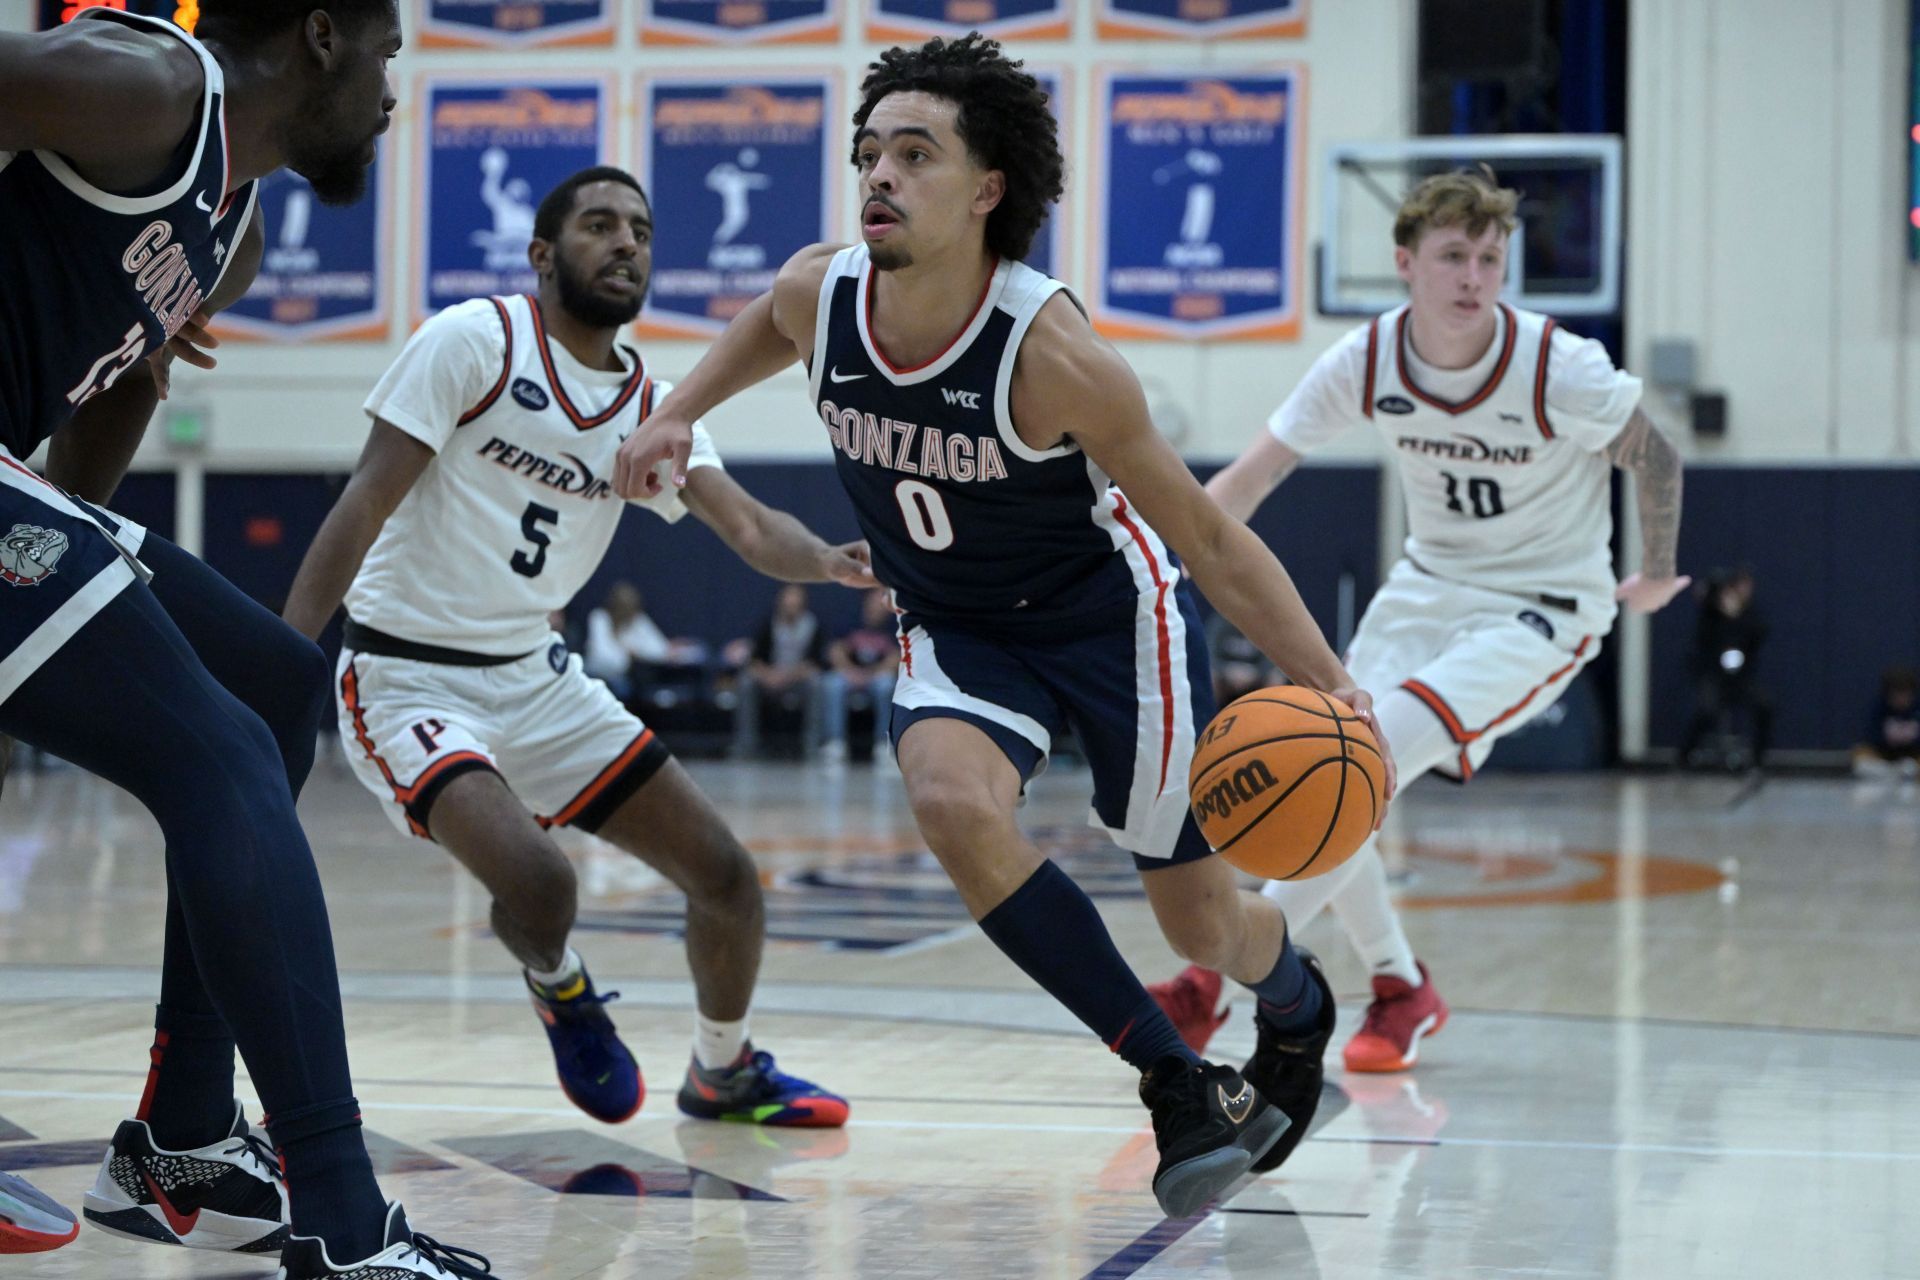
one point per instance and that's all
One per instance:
(773, 542)
(1243, 484)
(1644, 452)
(388, 468)
(111, 100)
(1073, 381)
(772, 332)
(91, 451)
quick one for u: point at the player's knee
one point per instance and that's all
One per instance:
(1208, 939)
(543, 890)
(954, 815)
(729, 881)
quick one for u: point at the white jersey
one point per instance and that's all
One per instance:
(512, 517)
(1502, 463)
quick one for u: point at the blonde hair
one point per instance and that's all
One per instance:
(1472, 199)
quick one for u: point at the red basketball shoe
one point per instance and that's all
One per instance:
(1189, 1002)
(1399, 1017)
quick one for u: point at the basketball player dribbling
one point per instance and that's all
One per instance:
(480, 505)
(1505, 428)
(1015, 493)
(129, 158)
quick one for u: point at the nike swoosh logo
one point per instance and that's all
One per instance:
(200, 202)
(838, 376)
(182, 1223)
(1240, 1105)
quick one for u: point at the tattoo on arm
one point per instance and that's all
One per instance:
(1641, 449)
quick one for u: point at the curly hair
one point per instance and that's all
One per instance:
(1003, 118)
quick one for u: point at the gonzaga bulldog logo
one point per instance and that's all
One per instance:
(29, 553)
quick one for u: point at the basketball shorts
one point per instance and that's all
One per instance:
(1135, 692)
(564, 744)
(1483, 662)
(62, 560)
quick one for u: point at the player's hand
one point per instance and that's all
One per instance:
(1362, 703)
(1642, 594)
(661, 438)
(191, 342)
(850, 565)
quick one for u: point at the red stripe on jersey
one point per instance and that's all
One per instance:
(600, 783)
(1373, 357)
(1166, 637)
(580, 420)
(1459, 731)
(1486, 389)
(1540, 381)
(506, 368)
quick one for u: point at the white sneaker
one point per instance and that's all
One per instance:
(406, 1254)
(226, 1195)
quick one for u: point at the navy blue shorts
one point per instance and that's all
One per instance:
(1136, 691)
(59, 566)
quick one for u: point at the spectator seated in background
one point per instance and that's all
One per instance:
(783, 667)
(1892, 747)
(1238, 665)
(1726, 645)
(864, 663)
(627, 650)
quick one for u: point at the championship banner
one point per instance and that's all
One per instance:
(1201, 19)
(741, 170)
(514, 24)
(678, 22)
(323, 277)
(1199, 186)
(915, 20)
(491, 152)
(1045, 256)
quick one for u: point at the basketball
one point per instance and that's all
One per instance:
(1287, 783)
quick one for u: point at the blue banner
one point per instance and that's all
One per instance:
(515, 24)
(674, 22)
(492, 151)
(323, 275)
(1198, 224)
(740, 172)
(1201, 19)
(917, 19)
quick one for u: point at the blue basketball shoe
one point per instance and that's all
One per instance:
(597, 1072)
(754, 1091)
(30, 1220)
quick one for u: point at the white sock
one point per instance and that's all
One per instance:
(1367, 912)
(717, 1044)
(1302, 900)
(570, 968)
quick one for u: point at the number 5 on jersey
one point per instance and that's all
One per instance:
(529, 566)
(928, 523)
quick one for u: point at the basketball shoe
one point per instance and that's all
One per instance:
(1400, 1016)
(226, 1195)
(31, 1221)
(1211, 1125)
(596, 1071)
(1189, 1002)
(1289, 1070)
(406, 1254)
(754, 1091)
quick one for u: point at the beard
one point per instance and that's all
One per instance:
(329, 160)
(889, 257)
(588, 307)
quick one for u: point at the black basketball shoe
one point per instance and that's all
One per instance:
(1210, 1125)
(1290, 1070)
(226, 1195)
(406, 1255)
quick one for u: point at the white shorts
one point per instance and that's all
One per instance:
(1484, 662)
(563, 742)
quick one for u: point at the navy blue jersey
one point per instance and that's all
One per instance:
(95, 281)
(966, 521)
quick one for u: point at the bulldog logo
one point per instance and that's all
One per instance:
(29, 553)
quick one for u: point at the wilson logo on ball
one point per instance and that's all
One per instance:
(1228, 794)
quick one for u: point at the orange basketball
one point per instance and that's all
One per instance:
(1287, 783)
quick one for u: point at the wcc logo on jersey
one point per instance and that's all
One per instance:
(492, 150)
(29, 554)
(1198, 235)
(323, 275)
(742, 174)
